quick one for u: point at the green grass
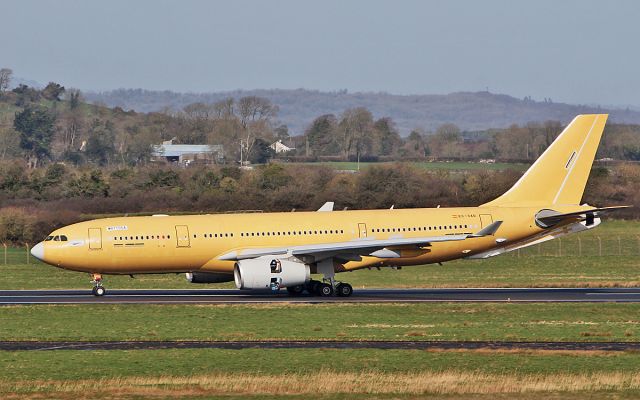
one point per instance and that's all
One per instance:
(570, 261)
(436, 165)
(71, 364)
(433, 321)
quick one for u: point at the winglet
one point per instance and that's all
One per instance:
(488, 230)
(328, 206)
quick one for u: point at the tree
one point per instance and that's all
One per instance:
(254, 108)
(26, 95)
(260, 152)
(282, 132)
(198, 111)
(322, 136)
(71, 125)
(416, 145)
(445, 141)
(75, 98)
(35, 126)
(387, 137)
(224, 108)
(101, 142)
(53, 91)
(356, 127)
(9, 142)
(5, 79)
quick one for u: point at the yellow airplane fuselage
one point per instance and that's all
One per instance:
(160, 244)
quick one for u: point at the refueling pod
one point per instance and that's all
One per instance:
(208, 277)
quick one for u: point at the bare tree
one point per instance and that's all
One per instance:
(224, 108)
(356, 127)
(5, 79)
(198, 111)
(254, 108)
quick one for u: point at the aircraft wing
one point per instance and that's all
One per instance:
(383, 248)
(548, 218)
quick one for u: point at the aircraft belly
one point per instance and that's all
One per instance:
(135, 260)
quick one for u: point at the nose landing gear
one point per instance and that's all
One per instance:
(98, 290)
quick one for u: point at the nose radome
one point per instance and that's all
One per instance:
(38, 251)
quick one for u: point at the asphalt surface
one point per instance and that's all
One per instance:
(308, 344)
(228, 296)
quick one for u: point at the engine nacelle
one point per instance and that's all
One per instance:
(269, 273)
(208, 277)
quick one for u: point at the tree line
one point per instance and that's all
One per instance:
(55, 124)
(34, 202)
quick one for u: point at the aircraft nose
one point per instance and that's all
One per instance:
(38, 251)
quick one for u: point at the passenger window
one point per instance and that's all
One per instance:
(56, 238)
(63, 238)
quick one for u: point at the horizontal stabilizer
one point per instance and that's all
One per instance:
(547, 218)
(328, 206)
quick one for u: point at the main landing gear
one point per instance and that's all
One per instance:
(323, 288)
(329, 286)
(98, 290)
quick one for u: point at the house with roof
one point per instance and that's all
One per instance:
(187, 154)
(280, 147)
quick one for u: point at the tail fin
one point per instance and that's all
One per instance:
(559, 176)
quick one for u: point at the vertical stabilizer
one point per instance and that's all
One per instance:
(559, 176)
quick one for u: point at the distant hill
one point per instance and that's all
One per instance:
(468, 110)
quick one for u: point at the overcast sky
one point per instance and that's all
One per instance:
(571, 51)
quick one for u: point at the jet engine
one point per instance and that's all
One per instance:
(208, 277)
(269, 273)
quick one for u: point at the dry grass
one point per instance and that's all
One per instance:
(436, 383)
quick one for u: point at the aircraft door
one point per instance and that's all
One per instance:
(95, 239)
(362, 230)
(485, 220)
(182, 236)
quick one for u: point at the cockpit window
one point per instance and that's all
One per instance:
(57, 238)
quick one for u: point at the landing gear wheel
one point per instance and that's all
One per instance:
(98, 289)
(295, 290)
(325, 290)
(312, 287)
(344, 290)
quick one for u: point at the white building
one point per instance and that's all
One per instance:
(188, 153)
(280, 147)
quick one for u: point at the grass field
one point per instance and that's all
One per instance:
(432, 321)
(436, 165)
(316, 374)
(320, 373)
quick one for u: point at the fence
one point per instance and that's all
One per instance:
(589, 246)
(12, 255)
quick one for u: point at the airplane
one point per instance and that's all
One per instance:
(281, 250)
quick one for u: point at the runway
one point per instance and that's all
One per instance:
(229, 296)
(316, 344)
